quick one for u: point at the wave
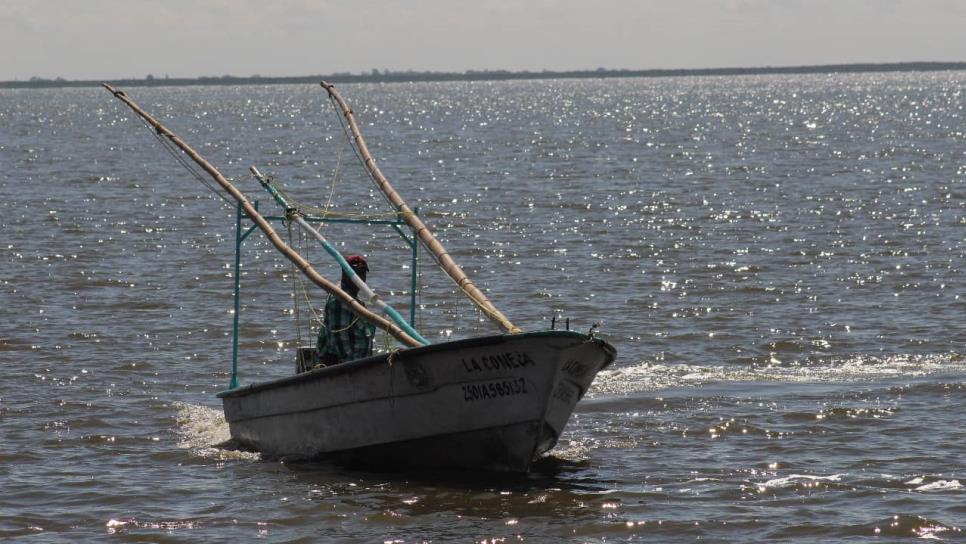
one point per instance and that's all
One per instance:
(795, 480)
(938, 485)
(204, 431)
(649, 376)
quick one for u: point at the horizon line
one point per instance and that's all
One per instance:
(406, 76)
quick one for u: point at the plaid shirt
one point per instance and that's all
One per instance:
(343, 334)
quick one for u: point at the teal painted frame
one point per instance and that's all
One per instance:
(240, 237)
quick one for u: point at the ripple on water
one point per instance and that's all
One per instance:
(777, 259)
(651, 376)
(935, 484)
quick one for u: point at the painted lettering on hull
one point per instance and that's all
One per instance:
(576, 369)
(564, 393)
(497, 361)
(494, 390)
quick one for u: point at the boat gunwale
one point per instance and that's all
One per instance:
(397, 356)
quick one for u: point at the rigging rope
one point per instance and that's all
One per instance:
(300, 293)
(323, 212)
(335, 180)
(355, 150)
(494, 316)
(178, 156)
(296, 284)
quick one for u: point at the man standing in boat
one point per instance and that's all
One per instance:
(344, 336)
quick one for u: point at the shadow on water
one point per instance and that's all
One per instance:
(545, 472)
(540, 494)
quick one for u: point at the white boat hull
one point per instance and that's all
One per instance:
(493, 403)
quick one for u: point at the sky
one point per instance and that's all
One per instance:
(112, 39)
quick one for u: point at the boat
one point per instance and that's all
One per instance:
(495, 403)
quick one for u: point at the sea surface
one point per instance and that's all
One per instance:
(779, 261)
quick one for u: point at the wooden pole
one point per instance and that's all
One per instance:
(422, 231)
(266, 227)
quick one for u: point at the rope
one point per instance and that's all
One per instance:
(300, 292)
(347, 327)
(386, 342)
(316, 318)
(493, 315)
(335, 180)
(325, 211)
(178, 156)
(419, 292)
(298, 321)
(355, 149)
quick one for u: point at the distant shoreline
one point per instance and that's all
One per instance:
(488, 75)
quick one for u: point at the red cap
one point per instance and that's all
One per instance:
(357, 262)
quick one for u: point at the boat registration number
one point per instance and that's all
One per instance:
(494, 390)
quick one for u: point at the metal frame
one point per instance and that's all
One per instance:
(240, 237)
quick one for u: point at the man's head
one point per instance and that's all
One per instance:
(359, 265)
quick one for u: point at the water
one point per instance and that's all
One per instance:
(779, 261)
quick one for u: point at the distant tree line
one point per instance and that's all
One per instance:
(389, 76)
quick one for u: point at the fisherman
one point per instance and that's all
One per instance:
(344, 336)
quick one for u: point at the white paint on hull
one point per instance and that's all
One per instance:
(454, 396)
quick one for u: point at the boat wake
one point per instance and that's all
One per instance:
(204, 431)
(650, 376)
